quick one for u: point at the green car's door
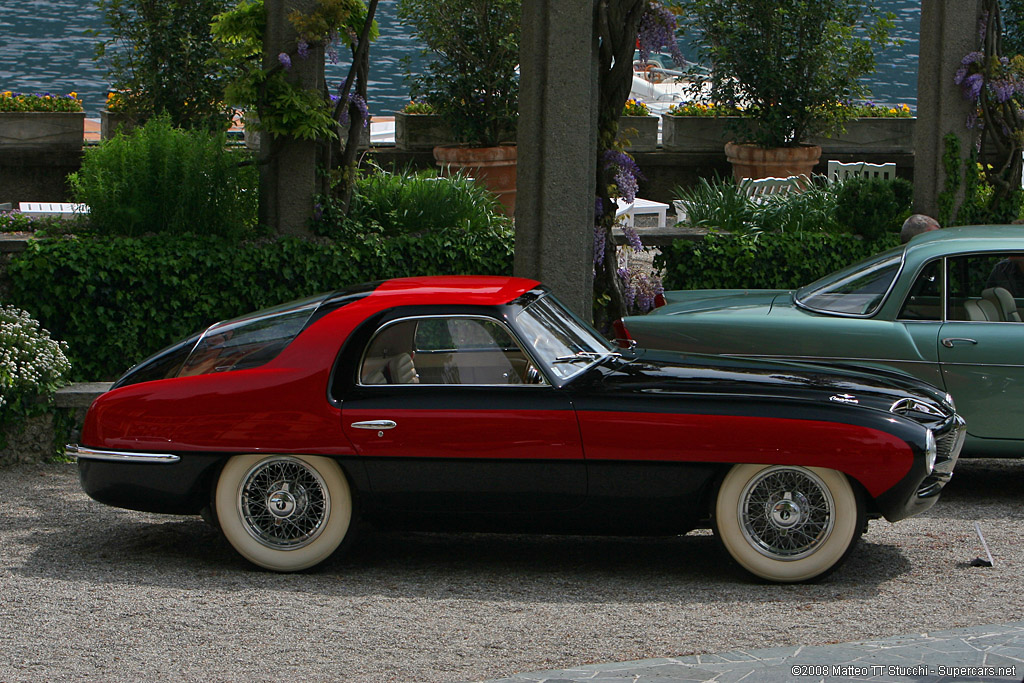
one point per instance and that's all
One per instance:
(981, 344)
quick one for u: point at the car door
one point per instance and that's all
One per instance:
(449, 415)
(981, 344)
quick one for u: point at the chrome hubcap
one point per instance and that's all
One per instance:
(786, 513)
(283, 503)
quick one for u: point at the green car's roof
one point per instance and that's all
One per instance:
(966, 238)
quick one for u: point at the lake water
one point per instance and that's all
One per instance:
(45, 46)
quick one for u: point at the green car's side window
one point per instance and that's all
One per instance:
(986, 287)
(925, 299)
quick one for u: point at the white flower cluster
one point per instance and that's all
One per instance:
(31, 363)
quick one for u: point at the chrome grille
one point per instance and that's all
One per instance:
(948, 442)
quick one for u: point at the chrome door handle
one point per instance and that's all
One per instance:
(949, 342)
(378, 425)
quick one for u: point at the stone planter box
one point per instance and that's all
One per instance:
(645, 139)
(696, 133)
(871, 136)
(862, 136)
(113, 122)
(42, 129)
(420, 131)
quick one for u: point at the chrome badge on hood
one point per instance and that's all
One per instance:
(848, 399)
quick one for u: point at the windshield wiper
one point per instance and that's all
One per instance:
(585, 355)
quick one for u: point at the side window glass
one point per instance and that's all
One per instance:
(389, 357)
(986, 287)
(469, 351)
(925, 299)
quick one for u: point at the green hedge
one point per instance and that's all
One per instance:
(762, 261)
(117, 300)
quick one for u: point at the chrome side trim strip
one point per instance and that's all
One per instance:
(81, 452)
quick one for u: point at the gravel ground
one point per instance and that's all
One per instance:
(91, 592)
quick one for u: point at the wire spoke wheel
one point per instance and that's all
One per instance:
(283, 512)
(786, 513)
(787, 523)
(284, 503)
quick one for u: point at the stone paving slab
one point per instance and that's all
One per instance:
(976, 654)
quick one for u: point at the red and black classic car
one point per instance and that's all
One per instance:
(481, 403)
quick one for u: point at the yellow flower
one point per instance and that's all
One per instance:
(73, 95)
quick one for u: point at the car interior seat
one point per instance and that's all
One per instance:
(1006, 307)
(981, 310)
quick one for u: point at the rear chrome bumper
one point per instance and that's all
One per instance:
(82, 453)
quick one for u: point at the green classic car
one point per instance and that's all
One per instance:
(943, 308)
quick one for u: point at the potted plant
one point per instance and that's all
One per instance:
(31, 120)
(789, 64)
(472, 83)
(638, 127)
(419, 126)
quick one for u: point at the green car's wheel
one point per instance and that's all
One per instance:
(786, 523)
(284, 512)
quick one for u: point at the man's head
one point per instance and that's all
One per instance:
(917, 224)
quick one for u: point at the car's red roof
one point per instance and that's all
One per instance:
(482, 290)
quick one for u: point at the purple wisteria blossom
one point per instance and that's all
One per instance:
(303, 49)
(627, 173)
(285, 60)
(364, 110)
(657, 32)
(633, 237)
(600, 237)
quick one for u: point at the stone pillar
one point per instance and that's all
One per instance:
(557, 147)
(288, 166)
(949, 30)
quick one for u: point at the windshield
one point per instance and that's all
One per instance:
(856, 291)
(561, 341)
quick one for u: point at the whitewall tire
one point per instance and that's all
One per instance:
(283, 512)
(786, 523)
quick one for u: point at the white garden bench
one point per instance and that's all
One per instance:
(60, 209)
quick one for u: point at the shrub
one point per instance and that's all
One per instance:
(873, 207)
(395, 204)
(722, 205)
(118, 300)
(762, 261)
(16, 221)
(717, 204)
(164, 180)
(32, 367)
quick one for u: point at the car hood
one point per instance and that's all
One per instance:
(664, 372)
(704, 300)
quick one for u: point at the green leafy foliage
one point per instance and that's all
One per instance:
(160, 60)
(873, 207)
(472, 80)
(788, 62)
(723, 205)
(420, 203)
(762, 261)
(116, 300)
(166, 180)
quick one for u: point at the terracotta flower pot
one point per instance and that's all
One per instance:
(494, 167)
(751, 161)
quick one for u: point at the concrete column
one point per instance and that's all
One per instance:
(557, 148)
(949, 30)
(288, 166)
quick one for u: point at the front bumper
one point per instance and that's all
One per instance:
(920, 489)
